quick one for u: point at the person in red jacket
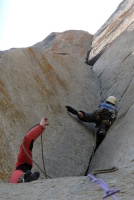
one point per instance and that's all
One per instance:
(23, 167)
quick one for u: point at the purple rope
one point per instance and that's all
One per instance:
(104, 186)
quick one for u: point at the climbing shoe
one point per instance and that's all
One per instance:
(34, 176)
(72, 110)
(27, 176)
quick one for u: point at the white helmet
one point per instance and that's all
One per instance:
(112, 100)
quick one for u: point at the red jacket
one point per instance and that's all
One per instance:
(22, 158)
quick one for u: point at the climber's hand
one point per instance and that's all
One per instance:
(80, 114)
(44, 122)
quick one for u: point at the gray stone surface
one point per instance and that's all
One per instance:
(33, 85)
(78, 188)
(113, 27)
(71, 42)
(115, 70)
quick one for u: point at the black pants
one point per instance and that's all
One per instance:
(100, 133)
(101, 127)
(24, 167)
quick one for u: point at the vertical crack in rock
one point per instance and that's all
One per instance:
(93, 152)
(95, 58)
(126, 57)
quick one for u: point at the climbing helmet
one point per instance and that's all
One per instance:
(112, 100)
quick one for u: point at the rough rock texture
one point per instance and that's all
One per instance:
(114, 26)
(76, 43)
(33, 85)
(115, 70)
(77, 188)
(35, 82)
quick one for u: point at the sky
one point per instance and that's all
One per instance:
(24, 23)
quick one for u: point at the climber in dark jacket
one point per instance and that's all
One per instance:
(103, 117)
(22, 172)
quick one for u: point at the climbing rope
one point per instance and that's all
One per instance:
(43, 158)
(44, 172)
(103, 185)
(102, 171)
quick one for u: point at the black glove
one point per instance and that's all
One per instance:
(72, 110)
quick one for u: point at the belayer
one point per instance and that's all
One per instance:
(103, 117)
(22, 172)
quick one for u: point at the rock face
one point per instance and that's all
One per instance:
(76, 43)
(119, 21)
(42, 80)
(34, 84)
(115, 69)
(62, 188)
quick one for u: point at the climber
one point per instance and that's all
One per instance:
(103, 117)
(23, 167)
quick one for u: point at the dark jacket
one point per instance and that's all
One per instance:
(105, 113)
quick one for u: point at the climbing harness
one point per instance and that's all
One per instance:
(103, 185)
(44, 172)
